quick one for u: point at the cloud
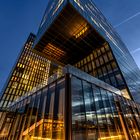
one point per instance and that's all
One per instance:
(127, 20)
(135, 51)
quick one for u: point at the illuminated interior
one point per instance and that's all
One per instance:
(88, 102)
(54, 52)
(81, 31)
(72, 35)
(48, 126)
(72, 40)
(92, 111)
(30, 70)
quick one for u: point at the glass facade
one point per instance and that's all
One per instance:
(127, 65)
(30, 70)
(76, 33)
(97, 111)
(102, 65)
(94, 96)
(52, 10)
(38, 116)
(96, 114)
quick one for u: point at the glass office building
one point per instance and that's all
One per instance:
(91, 84)
(73, 106)
(77, 28)
(30, 70)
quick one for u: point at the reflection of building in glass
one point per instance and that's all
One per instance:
(85, 39)
(73, 104)
(102, 64)
(30, 70)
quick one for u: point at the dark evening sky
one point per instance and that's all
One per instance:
(20, 17)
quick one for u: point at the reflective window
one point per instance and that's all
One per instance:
(78, 110)
(91, 121)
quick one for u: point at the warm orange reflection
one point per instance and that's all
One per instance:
(50, 126)
(32, 127)
(111, 137)
(53, 51)
(39, 138)
(81, 32)
(125, 93)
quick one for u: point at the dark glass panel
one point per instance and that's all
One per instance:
(108, 113)
(48, 118)
(101, 60)
(78, 110)
(102, 122)
(97, 63)
(110, 56)
(91, 119)
(105, 58)
(58, 116)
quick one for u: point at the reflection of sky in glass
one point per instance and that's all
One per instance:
(128, 30)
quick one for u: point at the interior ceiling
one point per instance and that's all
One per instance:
(69, 38)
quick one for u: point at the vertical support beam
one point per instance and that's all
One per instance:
(68, 108)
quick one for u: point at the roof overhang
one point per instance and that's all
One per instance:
(69, 38)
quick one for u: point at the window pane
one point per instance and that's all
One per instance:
(78, 111)
(102, 123)
(90, 112)
(58, 117)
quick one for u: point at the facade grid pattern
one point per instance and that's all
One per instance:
(95, 113)
(29, 71)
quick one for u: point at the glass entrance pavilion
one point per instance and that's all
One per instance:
(72, 106)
